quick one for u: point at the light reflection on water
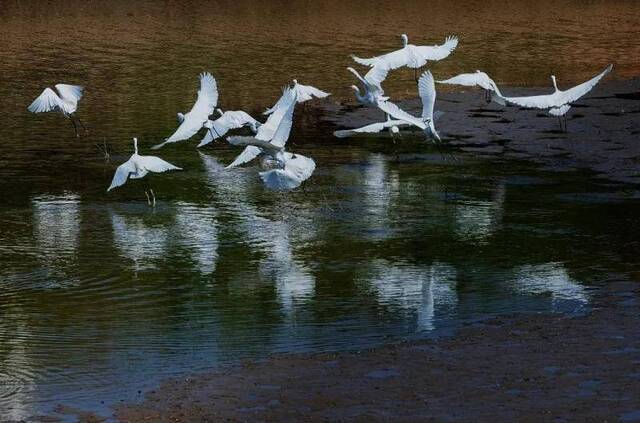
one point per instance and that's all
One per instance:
(100, 295)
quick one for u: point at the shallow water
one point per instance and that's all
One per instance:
(100, 295)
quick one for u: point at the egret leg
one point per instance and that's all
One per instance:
(415, 74)
(75, 127)
(82, 124)
(565, 123)
(148, 199)
(154, 197)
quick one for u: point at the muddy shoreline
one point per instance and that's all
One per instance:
(524, 367)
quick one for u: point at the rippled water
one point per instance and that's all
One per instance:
(101, 296)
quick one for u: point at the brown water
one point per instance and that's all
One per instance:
(100, 295)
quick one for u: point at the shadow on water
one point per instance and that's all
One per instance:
(101, 296)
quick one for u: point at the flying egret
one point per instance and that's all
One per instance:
(137, 167)
(412, 56)
(286, 170)
(372, 84)
(191, 122)
(479, 79)
(393, 125)
(304, 93)
(231, 119)
(559, 102)
(64, 101)
(267, 130)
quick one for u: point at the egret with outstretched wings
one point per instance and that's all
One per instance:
(137, 167)
(204, 106)
(65, 101)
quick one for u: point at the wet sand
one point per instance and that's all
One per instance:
(602, 134)
(524, 368)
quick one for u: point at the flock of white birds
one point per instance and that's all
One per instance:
(284, 170)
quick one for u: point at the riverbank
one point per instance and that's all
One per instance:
(525, 368)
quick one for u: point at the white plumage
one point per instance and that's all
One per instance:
(231, 119)
(204, 106)
(137, 167)
(65, 100)
(372, 84)
(558, 99)
(288, 170)
(373, 128)
(267, 131)
(411, 55)
(304, 93)
(479, 79)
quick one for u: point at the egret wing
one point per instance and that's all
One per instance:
(71, 93)
(397, 113)
(122, 174)
(188, 128)
(207, 95)
(307, 92)
(437, 52)
(465, 79)
(534, 101)
(578, 91)
(268, 129)
(369, 129)
(46, 102)
(281, 135)
(377, 74)
(156, 164)
(395, 59)
(427, 91)
(249, 153)
(297, 169)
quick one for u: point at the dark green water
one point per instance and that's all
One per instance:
(101, 296)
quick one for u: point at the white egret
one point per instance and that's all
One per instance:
(231, 119)
(412, 56)
(479, 79)
(193, 121)
(267, 130)
(427, 91)
(286, 170)
(304, 93)
(137, 167)
(64, 101)
(372, 84)
(559, 102)
(393, 125)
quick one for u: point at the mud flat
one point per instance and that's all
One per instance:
(603, 128)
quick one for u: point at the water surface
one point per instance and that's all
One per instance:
(100, 295)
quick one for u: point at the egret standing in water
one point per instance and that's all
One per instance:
(137, 167)
(193, 121)
(64, 101)
(559, 102)
(285, 170)
(412, 56)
